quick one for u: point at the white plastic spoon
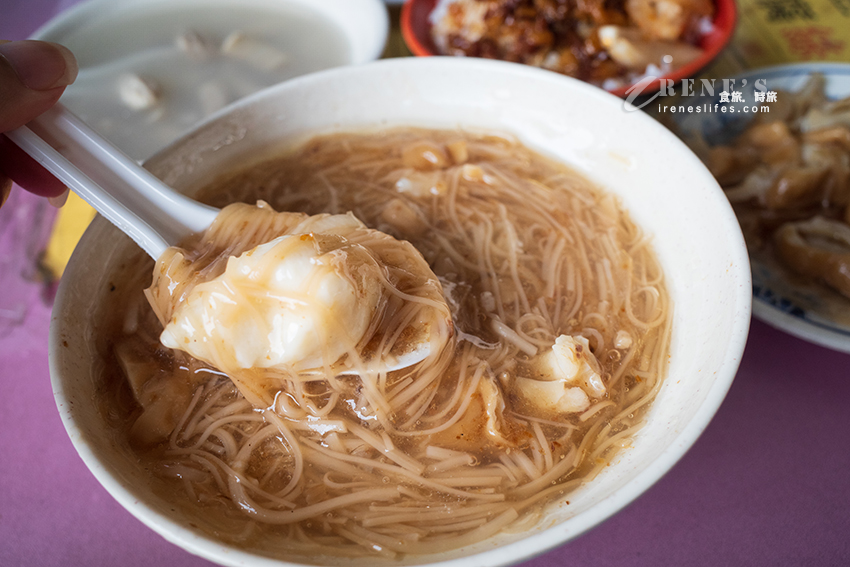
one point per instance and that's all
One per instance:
(153, 214)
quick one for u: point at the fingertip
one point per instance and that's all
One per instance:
(33, 75)
(40, 65)
(60, 200)
(72, 67)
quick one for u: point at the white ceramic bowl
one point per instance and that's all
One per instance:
(114, 39)
(665, 187)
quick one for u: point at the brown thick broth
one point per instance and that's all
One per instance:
(485, 213)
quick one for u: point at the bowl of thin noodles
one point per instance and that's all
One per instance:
(596, 297)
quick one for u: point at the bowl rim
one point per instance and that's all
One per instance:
(725, 21)
(531, 544)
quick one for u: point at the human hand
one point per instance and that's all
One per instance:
(33, 75)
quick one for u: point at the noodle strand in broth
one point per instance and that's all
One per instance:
(561, 330)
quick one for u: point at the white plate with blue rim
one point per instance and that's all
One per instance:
(804, 309)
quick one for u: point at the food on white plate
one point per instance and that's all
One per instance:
(788, 178)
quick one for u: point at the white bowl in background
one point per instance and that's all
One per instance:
(666, 189)
(112, 40)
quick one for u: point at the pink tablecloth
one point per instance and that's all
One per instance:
(768, 484)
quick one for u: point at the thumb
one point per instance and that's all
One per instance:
(33, 75)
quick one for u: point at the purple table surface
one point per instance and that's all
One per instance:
(767, 484)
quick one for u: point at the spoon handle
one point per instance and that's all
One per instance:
(151, 213)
